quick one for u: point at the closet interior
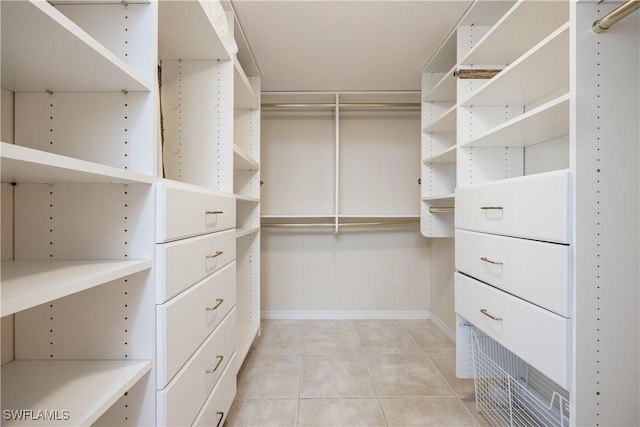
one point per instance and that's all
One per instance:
(157, 202)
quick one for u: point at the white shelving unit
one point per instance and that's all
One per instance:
(556, 127)
(247, 185)
(82, 312)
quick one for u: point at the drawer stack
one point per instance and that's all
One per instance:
(512, 259)
(196, 305)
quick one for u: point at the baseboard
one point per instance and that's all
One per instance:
(315, 315)
(438, 323)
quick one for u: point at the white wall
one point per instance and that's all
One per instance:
(354, 274)
(360, 272)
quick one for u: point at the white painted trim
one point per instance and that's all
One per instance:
(312, 314)
(438, 323)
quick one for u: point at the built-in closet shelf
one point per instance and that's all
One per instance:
(546, 122)
(37, 61)
(518, 30)
(86, 389)
(446, 156)
(246, 231)
(247, 199)
(302, 216)
(242, 160)
(245, 336)
(244, 96)
(444, 90)
(381, 217)
(541, 71)
(449, 196)
(28, 283)
(26, 165)
(198, 40)
(445, 123)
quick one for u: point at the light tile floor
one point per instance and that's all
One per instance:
(347, 373)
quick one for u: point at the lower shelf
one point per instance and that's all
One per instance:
(65, 392)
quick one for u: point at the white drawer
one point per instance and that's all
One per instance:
(216, 408)
(535, 271)
(533, 207)
(180, 401)
(537, 336)
(189, 212)
(186, 320)
(185, 262)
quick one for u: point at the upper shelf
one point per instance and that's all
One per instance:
(57, 56)
(197, 40)
(548, 121)
(524, 25)
(26, 165)
(444, 89)
(244, 96)
(445, 123)
(541, 71)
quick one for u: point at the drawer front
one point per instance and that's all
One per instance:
(185, 213)
(180, 401)
(537, 336)
(535, 271)
(185, 262)
(533, 207)
(216, 408)
(186, 320)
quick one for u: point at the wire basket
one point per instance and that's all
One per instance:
(511, 393)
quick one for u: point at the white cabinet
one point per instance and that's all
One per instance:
(82, 161)
(545, 182)
(118, 205)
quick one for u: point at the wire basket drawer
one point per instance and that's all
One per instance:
(509, 392)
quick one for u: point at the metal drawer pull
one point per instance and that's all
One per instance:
(485, 259)
(486, 313)
(214, 212)
(221, 417)
(491, 208)
(220, 301)
(215, 368)
(216, 255)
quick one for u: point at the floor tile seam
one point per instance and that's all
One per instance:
(453, 392)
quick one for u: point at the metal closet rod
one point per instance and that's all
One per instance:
(444, 209)
(602, 24)
(352, 105)
(340, 224)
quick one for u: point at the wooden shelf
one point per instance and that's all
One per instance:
(246, 231)
(244, 96)
(26, 165)
(446, 156)
(445, 123)
(541, 71)
(86, 389)
(58, 55)
(526, 23)
(242, 160)
(28, 283)
(198, 40)
(549, 121)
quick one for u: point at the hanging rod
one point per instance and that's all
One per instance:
(353, 105)
(475, 73)
(344, 224)
(603, 24)
(447, 209)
